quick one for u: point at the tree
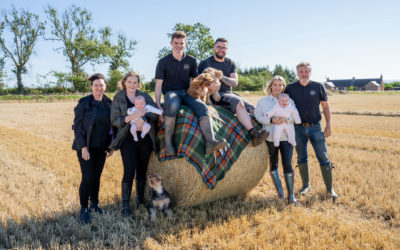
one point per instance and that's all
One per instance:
(25, 29)
(82, 44)
(289, 75)
(120, 52)
(2, 73)
(199, 42)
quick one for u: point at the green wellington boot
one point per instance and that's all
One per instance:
(277, 183)
(304, 174)
(327, 175)
(289, 179)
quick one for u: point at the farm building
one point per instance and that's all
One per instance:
(365, 84)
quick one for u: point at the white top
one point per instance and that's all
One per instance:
(264, 105)
(289, 111)
(148, 108)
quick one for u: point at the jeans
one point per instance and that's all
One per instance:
(173, 100)
(316, 136)
(286, 154)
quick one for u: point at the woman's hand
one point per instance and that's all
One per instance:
(278, 120)
(138, 114)
(109, 153)
(85, 154)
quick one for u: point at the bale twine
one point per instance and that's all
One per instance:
(187, 188)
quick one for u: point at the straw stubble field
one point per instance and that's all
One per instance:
(40, 175)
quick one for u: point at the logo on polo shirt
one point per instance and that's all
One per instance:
(186, 66)
(313, 92)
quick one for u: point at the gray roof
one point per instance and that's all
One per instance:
(354, 82)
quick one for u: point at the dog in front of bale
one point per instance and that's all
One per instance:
(159, 198)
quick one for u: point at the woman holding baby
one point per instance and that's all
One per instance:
(275, 87)
(135, 152)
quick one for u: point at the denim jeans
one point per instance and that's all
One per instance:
(316, 136)
(286, 150)
(173, 100)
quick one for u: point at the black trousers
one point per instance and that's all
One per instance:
(286, 150)
(91, 173)
(135, 157)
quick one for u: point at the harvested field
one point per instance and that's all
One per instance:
(40, 175)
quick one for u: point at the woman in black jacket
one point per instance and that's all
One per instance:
(135, 154)
(92, 129)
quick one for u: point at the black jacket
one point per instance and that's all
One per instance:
(118, 113)
(85, 115)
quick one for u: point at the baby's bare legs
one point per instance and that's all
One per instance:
(134, 131)
(146, 128)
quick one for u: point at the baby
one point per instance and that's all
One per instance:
(140, 103)
(284, 108)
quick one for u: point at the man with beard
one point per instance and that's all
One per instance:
(229, 100)
(307, 96)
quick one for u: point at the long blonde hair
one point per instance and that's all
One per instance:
(275, 78)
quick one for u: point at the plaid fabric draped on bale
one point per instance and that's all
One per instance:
(190, 144)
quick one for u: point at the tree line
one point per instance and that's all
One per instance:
(82, 44)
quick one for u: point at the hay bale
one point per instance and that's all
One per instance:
(187, 188)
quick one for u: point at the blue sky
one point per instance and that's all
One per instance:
(341, 39)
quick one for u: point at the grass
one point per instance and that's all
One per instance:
(40, 177)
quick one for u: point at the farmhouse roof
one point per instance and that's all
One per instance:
(354, 82)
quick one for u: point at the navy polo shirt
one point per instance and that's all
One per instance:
(307, 99)
(227, 67)
(176, 74)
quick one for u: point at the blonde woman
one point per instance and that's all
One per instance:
(135, 154)
(275, 87)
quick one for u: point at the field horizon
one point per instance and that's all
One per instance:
(40, 177)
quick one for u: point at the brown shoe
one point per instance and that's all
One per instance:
(256, 137)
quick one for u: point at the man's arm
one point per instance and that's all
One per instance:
(231, 81)
(327, 115)
(157, 91)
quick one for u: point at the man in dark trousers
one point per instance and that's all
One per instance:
(173, 76)
(307, 96)
(229, 100)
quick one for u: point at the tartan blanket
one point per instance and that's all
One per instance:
(190, 144)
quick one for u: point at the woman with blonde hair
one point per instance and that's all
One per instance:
(275, 87)
(135, 154)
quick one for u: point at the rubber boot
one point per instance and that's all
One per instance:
(126, 197)
(169, 128)
(140, 185)
(212, 144)
(304, 174)
(327, 175)
(277, 183)
(289, 179)
(257, 137)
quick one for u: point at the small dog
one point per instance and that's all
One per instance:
(159, 198)
(199, 87)
(214, 89)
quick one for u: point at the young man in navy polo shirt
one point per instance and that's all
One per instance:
(307, 96)
(173, 76)
(229, 100)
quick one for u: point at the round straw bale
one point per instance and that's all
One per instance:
(186, 187)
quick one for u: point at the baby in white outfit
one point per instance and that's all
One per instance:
(140, 103)
(286, 109)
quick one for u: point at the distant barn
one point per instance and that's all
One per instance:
(365, 84)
